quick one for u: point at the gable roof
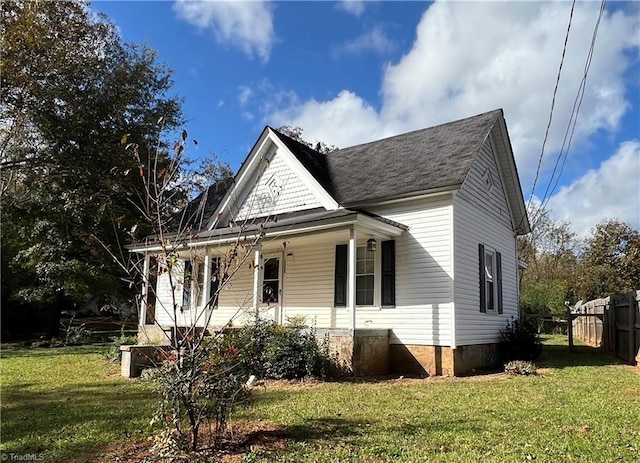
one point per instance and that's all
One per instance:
(422, 161)
(197, 213)
(419, 161)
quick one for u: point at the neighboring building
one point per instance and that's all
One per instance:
(402, 249)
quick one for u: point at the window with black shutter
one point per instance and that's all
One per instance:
(214, 282)
(490, 268)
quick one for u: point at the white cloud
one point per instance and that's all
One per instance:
(611, 191)
(247, 25)
(355, 7)
(375, 40)
(339, 121)
(244, 94)
(468, 58)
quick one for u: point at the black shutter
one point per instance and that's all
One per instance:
(389, 273)
(340, 287)
(499, 278)
(483, 299)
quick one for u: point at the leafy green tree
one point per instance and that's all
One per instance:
(70, 90)
(611, 260)
(549, 253)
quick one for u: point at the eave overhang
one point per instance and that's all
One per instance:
(282, 226)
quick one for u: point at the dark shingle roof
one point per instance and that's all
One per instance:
(422, 160)
(312, 160)
(197, 213)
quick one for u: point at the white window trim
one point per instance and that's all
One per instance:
(490, 253)
(197, 297)
(264, 258)
(377, 280)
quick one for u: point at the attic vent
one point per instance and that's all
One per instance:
(487, 179)
(275, 185)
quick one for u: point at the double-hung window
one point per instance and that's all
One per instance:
(490, 279)
(365, 276)
(196, 292)
(187, 279)
(367, 272)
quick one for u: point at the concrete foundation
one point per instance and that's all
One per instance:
(470, 359)
(365, 352)
(440, 361)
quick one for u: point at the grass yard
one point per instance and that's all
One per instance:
(64, 402)
(583, 407)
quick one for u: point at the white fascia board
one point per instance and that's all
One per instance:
(499, 159)
(230, 239)
(516, 187)
(364, 223)
(243, 177)
(323, 196)
(373, 226)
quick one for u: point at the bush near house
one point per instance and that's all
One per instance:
(292, 351)
(520, 340)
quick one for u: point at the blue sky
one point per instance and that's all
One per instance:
(351, 72)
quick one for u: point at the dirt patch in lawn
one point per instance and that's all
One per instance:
(242, 438)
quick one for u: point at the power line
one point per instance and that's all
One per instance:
(553, 103)
(577, 103)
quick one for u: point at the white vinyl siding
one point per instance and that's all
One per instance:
(235, 300)
(481, 216)
(422, 314)
(164, 301)
(308, 283)
(278, 190)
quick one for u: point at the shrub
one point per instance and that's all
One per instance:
(113, 353)
(520, 367)
(519, 340)
(291, 351)
(199, 389)
(77, 334)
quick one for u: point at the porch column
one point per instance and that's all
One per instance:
(256, 280)
(351, 279)
(144, 296)
(206, 284)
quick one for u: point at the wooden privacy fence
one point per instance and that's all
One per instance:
(612, 323)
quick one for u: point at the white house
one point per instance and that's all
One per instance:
(402, 249)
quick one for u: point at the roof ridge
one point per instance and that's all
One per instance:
(404, 134)
(297, 142)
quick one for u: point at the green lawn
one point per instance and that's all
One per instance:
(68, 401)
(583, 408)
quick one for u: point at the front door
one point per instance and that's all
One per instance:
(272, 291)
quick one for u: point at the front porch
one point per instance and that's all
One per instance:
(330, 268)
